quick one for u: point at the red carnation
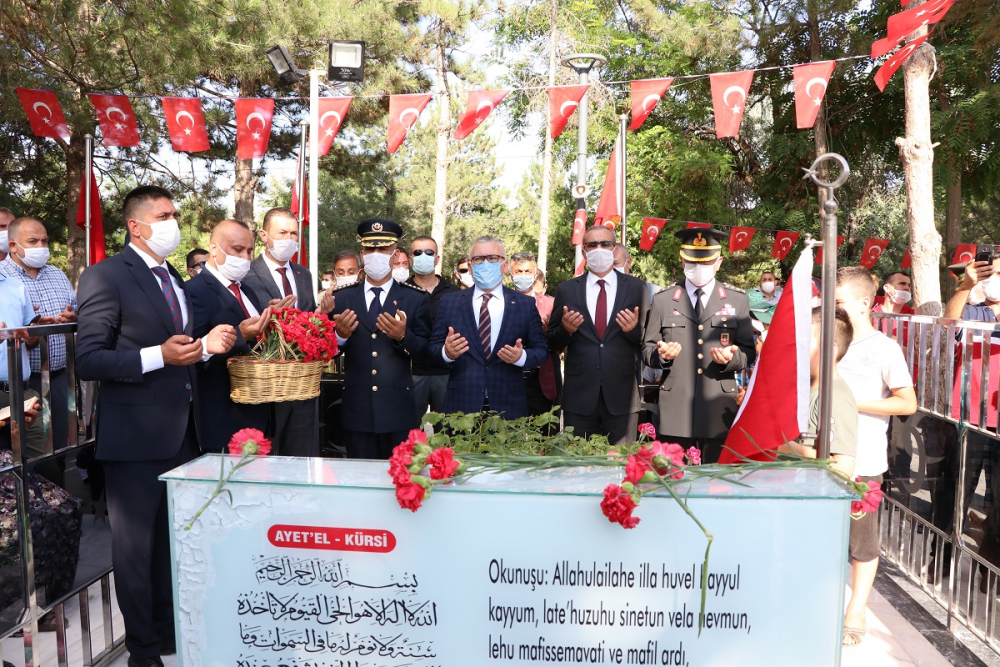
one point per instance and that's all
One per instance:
(416, 435)
(693, 456)
(402, 457)
(442, 462)
(635, 468)
(618, 505)
(410, 495)
(251, 441)
(871, 501)
(647, 430)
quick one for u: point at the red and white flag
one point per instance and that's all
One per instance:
(965, 252)
(810, 89)
(729, 99)
(97, 249)
(332, 112)
(44, 113)
(563, 101)
(609, 206)
(651, 228)
(872, 251)
(896, 61)
(579, 226)
(819, 251)
(294, 205)
(253, 127)
(117, 120)
(186, 124)
(903, 24)
(404, 110)
(478, 107)
(907, 262)
(581, 267)
(740, 238)
(646, 94)
(775, 410)
(783, 242)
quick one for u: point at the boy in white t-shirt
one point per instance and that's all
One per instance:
(875, 370)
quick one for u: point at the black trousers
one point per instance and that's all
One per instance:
(537, 403)
(617, 428)
(363, 445)
(711, 448)
(140, 546)
(296, 428)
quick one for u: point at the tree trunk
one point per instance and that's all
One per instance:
(543, 224)
(76, 160)
(246, 182)
(917, 155)
(443, 132)
(953, 214)
(819, 128)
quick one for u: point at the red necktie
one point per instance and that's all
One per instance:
(235, 289)
(601, 311)
(287, 286)
(484, 325)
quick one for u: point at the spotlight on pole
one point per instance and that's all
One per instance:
(347, 61)
(288, 74)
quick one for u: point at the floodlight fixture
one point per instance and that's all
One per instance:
(283, 64)
(347, 61)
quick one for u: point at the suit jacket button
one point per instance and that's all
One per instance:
(700, 356)
(701, 327)
(700, 342)
(700, 371)
(374, 372)
(374, 336)
(374, 354)
(602, 345)
(187, 386)
(374, 388)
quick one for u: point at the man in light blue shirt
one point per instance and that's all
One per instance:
(16, 311)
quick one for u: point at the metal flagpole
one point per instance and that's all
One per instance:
(314, 75)
(300, 175)
(88, 174)
(622, 130)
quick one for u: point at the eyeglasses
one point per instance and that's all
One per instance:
(492, 259)
(593, 245)
(420, 251)
(465, 270)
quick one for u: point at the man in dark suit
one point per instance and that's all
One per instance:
(280, 283)
(597, 319)
(217, 297)
(489, 335)
(382, 325)
(699, 333)
(134, 337)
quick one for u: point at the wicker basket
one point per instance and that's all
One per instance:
(273, 381)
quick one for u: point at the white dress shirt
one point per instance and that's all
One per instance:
(706, 292)
(369, 296)
(226, 282)
(272, 269)
(495, 307)
(152, 357)
(594, 290)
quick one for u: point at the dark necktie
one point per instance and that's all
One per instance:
(287, 286)
(699, 308)
(376, 307)
(601, 311)
(168, 293)
(235, 289)
(484, 325)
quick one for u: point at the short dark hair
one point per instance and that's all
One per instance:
(401, 249)
(843, 330)
(424, 237)
(142, 195)
(344, 255)
(892, 273)
(771, 273)
(858, 280)
(540, 275)
(194, 253)
(4, 209)
(464, 259)
(523, 256)
(15, 225)
(276, 213)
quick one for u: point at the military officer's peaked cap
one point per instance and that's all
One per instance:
(701, 244)
(378, 232)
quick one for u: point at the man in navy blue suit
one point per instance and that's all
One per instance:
(218, 297)
(135, 338)
(489, 336)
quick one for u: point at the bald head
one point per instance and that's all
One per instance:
(230, 237)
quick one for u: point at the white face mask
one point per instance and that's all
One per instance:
(4, 243)
(36, 258)
(377, 265)
(767, 287)
(344, 281)
(466, 279)
(902, 296)
(166, 236)
(524, 283)
(283, 249)
(235, 268)
(699, 275)
(325, 284)
(400, 274)
(991, 289)
(600, 260)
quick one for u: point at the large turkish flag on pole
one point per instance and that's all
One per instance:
(404, 110)
(775, 409)
(563, 101)
(97, 248)
(117, 120)
(478, 107)
(609, 206)
(186, 124)
(810, 89)
(44, 113)
(332, 112)
(729, 99)
(646, 94)
(253, 127)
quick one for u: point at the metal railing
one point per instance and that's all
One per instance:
(79, 418)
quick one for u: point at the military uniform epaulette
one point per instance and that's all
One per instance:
(411, 286)
(337, 288)
(734, 288)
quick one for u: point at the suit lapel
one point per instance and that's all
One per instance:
(620, 298)
(510, 311)
(150, 286)
(260, 268)
(581, 296)
(714, 303)
(226, 297)
(681, 300)
(471, 310)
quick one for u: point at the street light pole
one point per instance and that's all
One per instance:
(314, 75)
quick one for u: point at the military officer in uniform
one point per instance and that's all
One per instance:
(699, 333)
(382, 325)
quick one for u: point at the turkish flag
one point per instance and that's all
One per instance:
(907, 262)
(579, 226)
(810, 89)
(404, 110)
(304, 220)
(97, 250)
(609, 207)
(775, 409)
(783, 242)
(819, 252)
(696, 225)
(332, 112)
(186, 124)
(44, 113)
(872, 251)
(729, 98)
(901, 25)
(253, 127)
(646, 95)
(117, 120)
(740, 238)
(581, 267)
(651, 228)
(965, 252)
(563, 101)
(897, 59)
(478, 107)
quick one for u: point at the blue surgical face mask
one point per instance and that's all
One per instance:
(423, 264)
(487, 275)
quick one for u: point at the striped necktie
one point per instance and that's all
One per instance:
(484, 325)
(167, 286)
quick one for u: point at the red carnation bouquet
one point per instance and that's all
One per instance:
(298, 335)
